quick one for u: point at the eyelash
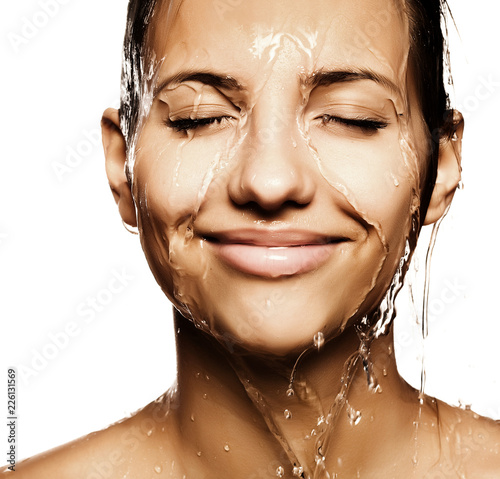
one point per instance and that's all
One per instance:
(185, 124)
(367, 125)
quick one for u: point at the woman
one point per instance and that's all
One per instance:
(279, 161)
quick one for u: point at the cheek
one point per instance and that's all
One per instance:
(173, 174)
(376, 178)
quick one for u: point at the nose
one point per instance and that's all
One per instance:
(273, 169)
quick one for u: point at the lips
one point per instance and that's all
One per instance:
(273, 254)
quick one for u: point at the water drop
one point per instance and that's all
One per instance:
(205, 396)
(384, 371)
(298, 471)
(192, 417)
(319, 340)
(290, 392)
(158, 469)
(198, 453)
(149, 433)
(287, 413)
(226, 448)
(280, 471)
(353, 415)
(396, 182)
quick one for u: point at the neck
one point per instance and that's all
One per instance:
(236, 412)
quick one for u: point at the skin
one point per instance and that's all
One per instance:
(329, 178)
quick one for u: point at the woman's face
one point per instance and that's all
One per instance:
(277, 173)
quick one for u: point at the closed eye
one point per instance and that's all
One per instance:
(366, 125)
(185, 124)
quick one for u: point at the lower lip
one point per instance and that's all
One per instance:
(272, 262)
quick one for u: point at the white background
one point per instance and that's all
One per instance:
(61, 238)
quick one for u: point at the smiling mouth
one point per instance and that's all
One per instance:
(272, 255)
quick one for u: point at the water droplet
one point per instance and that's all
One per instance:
(158, 469)
(226, 448)
(149, 433)
(280, 471)
(298, 471)
(205, 396)
(353, 415)
(290, 392)
(198, 453)
(318, 340)
(207, 377)
(192, 417)
(384, 371)
(287, 413)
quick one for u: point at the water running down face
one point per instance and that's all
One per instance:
(278, 172)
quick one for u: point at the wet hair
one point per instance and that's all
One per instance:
(428, 52)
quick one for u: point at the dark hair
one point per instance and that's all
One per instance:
(139, 15)
(427, 47)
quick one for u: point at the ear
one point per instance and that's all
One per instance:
(448, 172)
(115, 152)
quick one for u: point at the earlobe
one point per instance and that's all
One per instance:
(448, 172)
(115, 153)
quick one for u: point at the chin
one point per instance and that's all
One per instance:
(282, 334)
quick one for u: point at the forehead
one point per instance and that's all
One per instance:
(242, 36)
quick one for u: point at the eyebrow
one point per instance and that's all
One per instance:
(319, 78)
(226, 82)
(326, 78)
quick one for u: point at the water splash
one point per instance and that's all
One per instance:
(298, 471)
(319, 340)
(353, 415)
(425, 329)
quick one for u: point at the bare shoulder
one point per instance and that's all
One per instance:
(135, 446)
(470, 442)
